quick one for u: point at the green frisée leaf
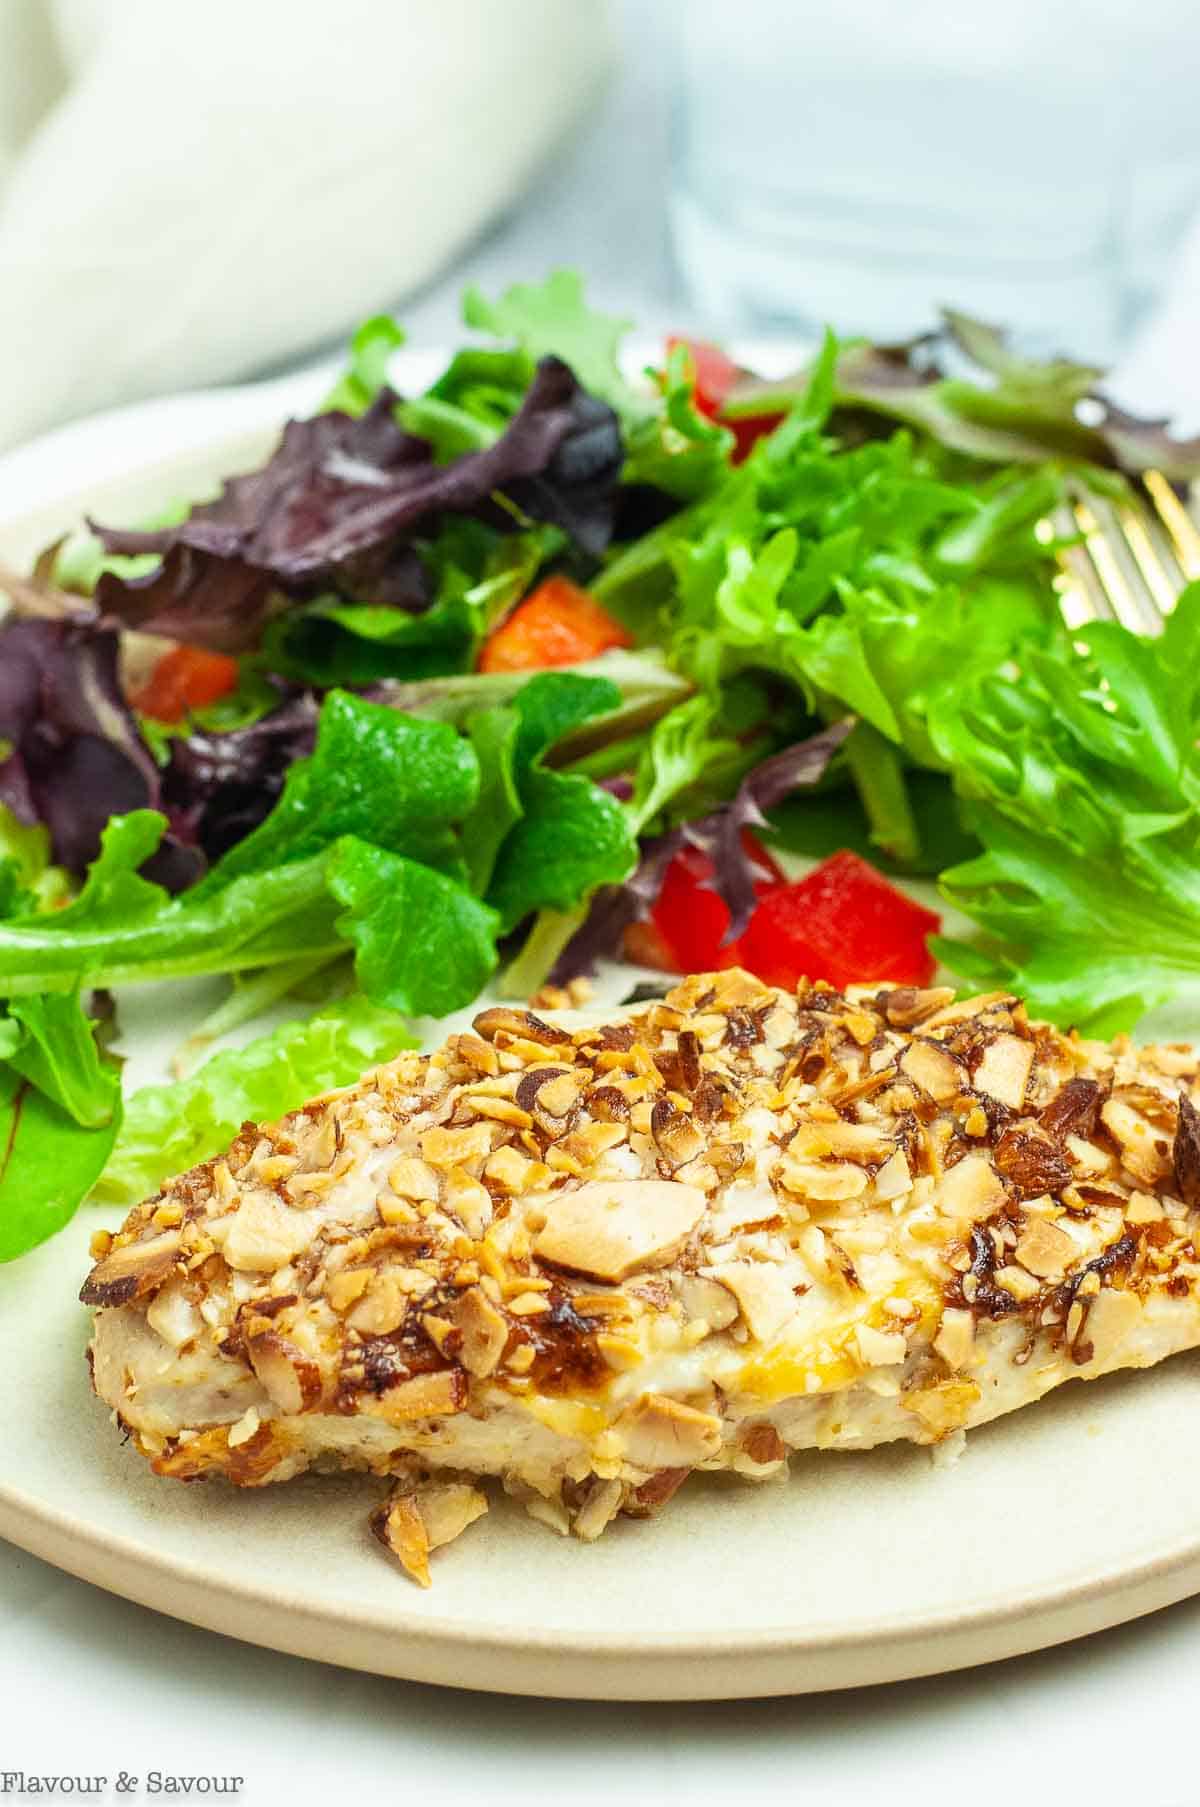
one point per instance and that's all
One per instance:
(423, 943)
(552, 318)
(371, 351)
(479, 575)
(1082, 779)
(169, 1128)
(472, 401)
(28, 881)
(683, 747)
(674, 446)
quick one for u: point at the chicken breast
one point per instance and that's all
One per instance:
(698, 1235)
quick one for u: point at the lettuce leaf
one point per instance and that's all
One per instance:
(384, 777)
(422, 943)
(48, 1163)
(1081, 775)
(572, 836)
(169, 1128)
(60, 1110)
(552, 318)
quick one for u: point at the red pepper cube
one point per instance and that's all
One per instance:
(716, 376)
(186, 678)
(844, 923)
(690, 921)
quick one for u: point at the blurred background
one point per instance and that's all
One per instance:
(200, 191)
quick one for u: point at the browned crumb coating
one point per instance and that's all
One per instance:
(590, 1260)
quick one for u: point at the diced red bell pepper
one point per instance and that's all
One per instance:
(184, 679)
(843, 922)
(557, 624)
(687, 924)
(716, 375)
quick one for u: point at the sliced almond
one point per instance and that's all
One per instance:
(344, 1288)
(448, 1148)
(970, 1190)
(1112, 1318)
(411, 1525)
(172, 1315)
(611, 1228)
(521, 1024)
(1142, 1208)
(880, 1348)
(676, 1137)
(435, 1395)
(598, 1510)
(132, 1271)
(469, 1200)
(383, 1306)
(1019, 1282)
(1004, 1071)
(706, 1300)
(955, 1340)
(859, 1141)
(410, 1178)
(942, 1408)
(906, 1005)
(764, 1294)
(933, 1068)
(1045, 1250)
(484, 1332)
(811, 1179)
(262, 1234)
(894, 1178)
(658, 1432)
(1138, 1139)
(292, 1378)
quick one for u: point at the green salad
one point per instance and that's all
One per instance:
(478, 687)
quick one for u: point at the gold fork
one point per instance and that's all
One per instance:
(1130, 558)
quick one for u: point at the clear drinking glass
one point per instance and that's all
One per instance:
(864, 162)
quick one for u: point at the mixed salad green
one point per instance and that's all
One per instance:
(459, 687)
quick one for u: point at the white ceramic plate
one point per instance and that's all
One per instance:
(1066, 1518)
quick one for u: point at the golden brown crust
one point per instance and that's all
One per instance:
(765, 1198)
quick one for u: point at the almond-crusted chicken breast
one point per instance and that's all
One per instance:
(699, 1235)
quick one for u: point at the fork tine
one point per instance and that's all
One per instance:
(1081, 595)
(1158, 577)
(1185, 537)
(1118, 573)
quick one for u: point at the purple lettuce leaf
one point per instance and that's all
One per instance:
(76, 756)
(719, 835)
(219, 786)
(615, 908)
(340, 500)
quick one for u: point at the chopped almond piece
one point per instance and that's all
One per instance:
(659, 1432)
(610, 1229)
(1004, 1071)
(933, 1068)
(1044, 1250)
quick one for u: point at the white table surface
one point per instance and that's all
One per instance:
(91, 1684)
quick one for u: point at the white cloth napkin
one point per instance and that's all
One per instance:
(191, 190)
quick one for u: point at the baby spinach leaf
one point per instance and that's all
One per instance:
(422, 943)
